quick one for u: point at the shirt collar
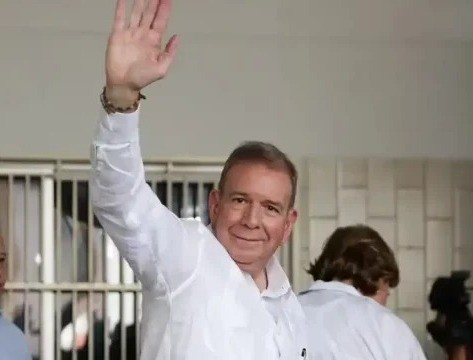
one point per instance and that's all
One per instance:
(334, 285)
(278, 283)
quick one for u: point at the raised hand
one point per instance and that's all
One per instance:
(135, 57)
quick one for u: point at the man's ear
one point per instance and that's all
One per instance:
(214, 203)
(290, 221)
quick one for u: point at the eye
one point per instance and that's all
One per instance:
(238, 200)
(272, 209)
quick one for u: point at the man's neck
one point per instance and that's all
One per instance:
(261, 280)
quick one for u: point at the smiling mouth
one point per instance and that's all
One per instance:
(246, 239)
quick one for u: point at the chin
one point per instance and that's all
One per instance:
(247, 268)
(244, 260)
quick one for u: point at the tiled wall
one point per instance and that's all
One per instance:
(423, 209)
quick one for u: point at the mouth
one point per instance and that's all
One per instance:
(240, 238)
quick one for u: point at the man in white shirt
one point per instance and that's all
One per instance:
(13, 345)
(345, 309)
(213, 292)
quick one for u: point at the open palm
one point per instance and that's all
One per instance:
(134, 57)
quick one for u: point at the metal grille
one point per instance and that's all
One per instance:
(69, 290)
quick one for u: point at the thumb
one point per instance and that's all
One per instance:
(166, 58)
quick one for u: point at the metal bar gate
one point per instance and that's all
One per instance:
(69, 290)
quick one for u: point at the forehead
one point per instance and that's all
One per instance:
(2, 244)
(258, 179)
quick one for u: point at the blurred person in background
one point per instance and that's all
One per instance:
(13, 345)
(345, 306)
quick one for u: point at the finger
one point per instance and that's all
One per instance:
(167, 57)
(120, 15)
(150, 13)
(161, 20)
(136, 13)
(171, 46)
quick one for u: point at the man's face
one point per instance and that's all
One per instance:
(252, 215)
(3, 264)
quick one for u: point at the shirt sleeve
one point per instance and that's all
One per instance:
(155, 243)
(417, 352)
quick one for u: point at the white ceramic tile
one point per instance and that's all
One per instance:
(305, 279)
(428, 288)
(439, 188)
(304, 254)
(416, 321)
(464, 219)
(322, 188)
(409, 174)
(320, 230)
(302, 167)
(410, 215)
(300, 279)
(351, 207)
(301, 228)
(392, 300)
(463, 259)
(353, 173)
(411, 286)
(439, 248)
(386, 228)
(381, 188)
(463, 175)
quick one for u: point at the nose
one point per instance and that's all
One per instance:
(252, 216)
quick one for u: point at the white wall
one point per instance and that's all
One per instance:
(317, 77)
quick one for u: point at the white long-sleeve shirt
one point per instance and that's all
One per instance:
(345, 325)
(197, 303)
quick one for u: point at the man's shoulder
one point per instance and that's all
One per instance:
(7, 327)
(196, 226)
(397, 332)
(304, 297)
(389, 321)
(12, 336)
(200, 233)
(393, 330)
